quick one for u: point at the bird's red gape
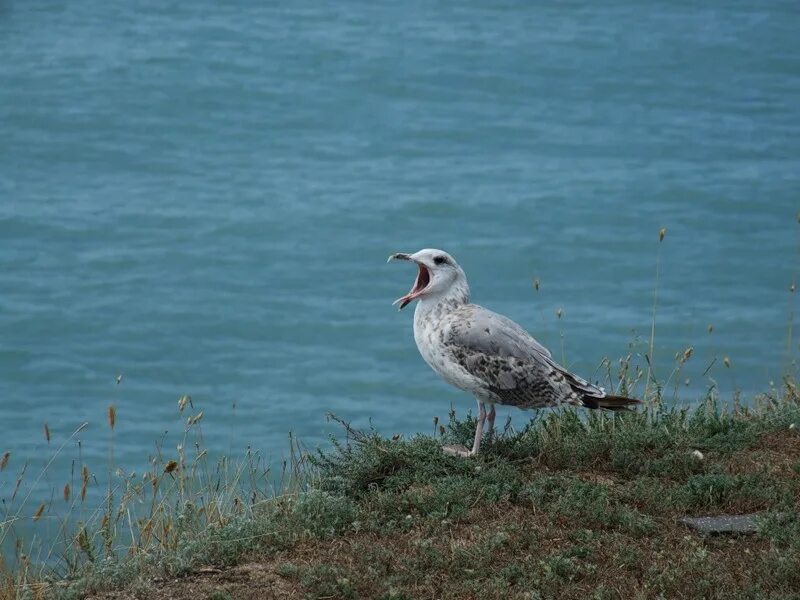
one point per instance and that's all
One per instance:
(422, 281)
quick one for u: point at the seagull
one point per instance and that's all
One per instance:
(487, 354)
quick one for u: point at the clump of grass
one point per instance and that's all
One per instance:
(324, 581)
(593, 504)
(154, 520)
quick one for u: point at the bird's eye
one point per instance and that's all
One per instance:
(440, 260)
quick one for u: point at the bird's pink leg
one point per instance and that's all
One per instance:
(479, 429)
(459, 450)
(490, 417)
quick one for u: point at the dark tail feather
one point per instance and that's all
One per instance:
(610, 402)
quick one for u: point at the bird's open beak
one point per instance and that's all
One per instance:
(422, 281)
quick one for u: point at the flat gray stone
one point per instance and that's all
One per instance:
(723, 523)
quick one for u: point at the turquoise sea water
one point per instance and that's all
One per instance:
(202, 196)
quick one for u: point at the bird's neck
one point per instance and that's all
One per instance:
(440, 303)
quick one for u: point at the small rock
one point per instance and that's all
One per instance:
(698, 455)
(723, 523)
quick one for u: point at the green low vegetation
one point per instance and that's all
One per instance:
(574, 505)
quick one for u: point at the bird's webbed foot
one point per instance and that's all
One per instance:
(457, 450)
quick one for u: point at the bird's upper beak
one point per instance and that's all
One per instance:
(420, 284)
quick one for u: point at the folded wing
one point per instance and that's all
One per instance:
(516, 369)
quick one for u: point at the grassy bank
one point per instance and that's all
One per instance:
(574, 505)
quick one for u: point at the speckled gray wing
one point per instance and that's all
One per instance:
(516, 369)
(482, 330)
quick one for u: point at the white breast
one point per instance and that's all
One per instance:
(430, 331)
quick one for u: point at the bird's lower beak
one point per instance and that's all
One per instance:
(420, 284)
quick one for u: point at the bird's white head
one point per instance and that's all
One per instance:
(439, 278)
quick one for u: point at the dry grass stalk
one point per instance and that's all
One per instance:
(84, 482)
(38, 514)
